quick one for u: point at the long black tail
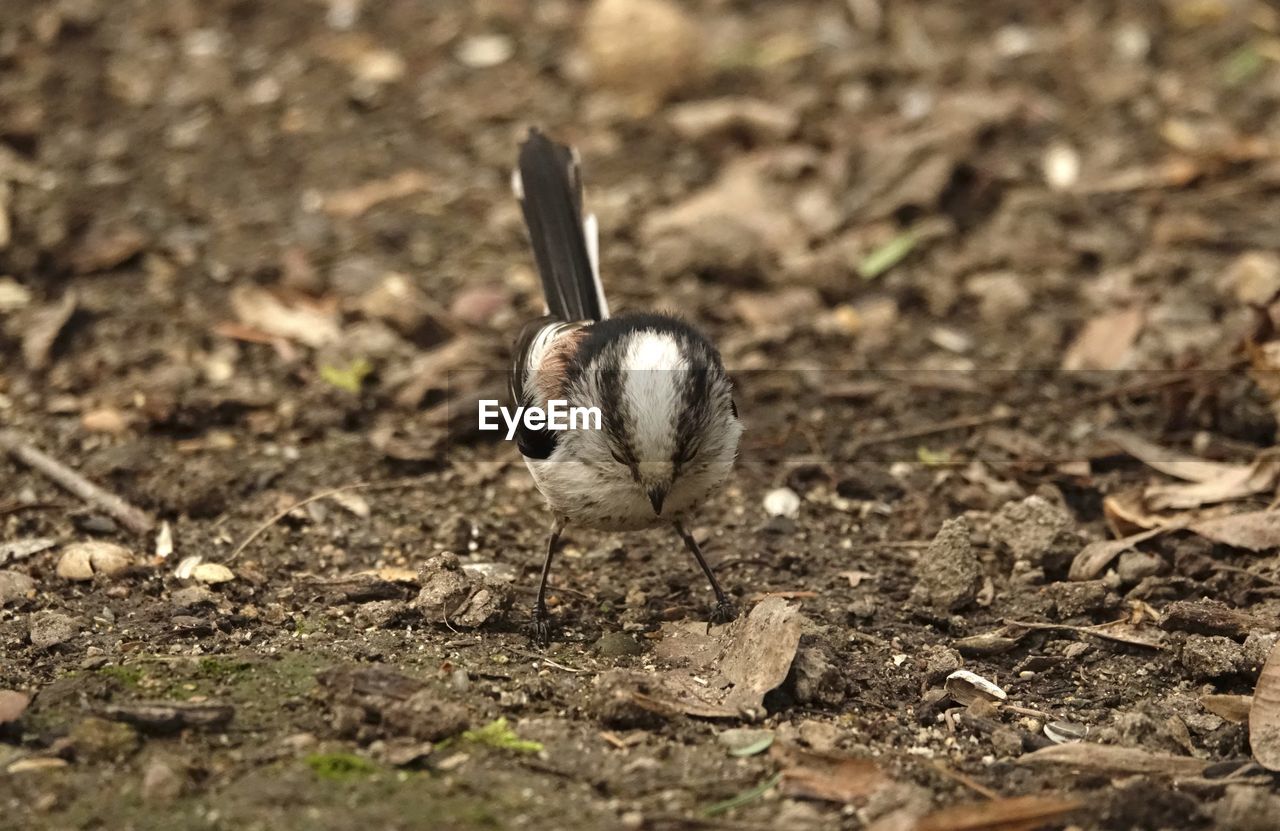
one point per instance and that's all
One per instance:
(550, 190)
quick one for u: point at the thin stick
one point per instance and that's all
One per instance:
(394, 484)
(133, 518)
(968, 781)
(1096, 631)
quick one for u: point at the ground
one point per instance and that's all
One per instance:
(960, 263)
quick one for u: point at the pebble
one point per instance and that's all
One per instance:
(212, 573)
(15, 586)
(1073, 599)
(1135, 566)
(48, 629)
(949, 571)
(782, 502)
(160, 782)
(86, 560)
(1032, 528)
(1210, 656)
(617, 645)
(485, 51)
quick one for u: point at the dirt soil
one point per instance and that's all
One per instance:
(253, 252)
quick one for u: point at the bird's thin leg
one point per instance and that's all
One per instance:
(541, 626)
(724, 610)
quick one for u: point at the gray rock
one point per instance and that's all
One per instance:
(1072, 599)
(191, 597)
(1209, 656)
(617, 645)
(161, 783)
(381, 614)
(950, 573)
(1035, 529)
(48, 629)
(815, 680)
(939, 662)
(451, 594)
(1257, 647)
(15, 586)
(1135, 566)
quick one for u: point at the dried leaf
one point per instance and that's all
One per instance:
(1166, 460)
(1238, 482)
(1019, 813)
(1105, 341)
(1264, 714)
(1233, 708)
(1096, 556)
(351, 203)
(43, 328)
(306, 322)
(1255, 530)
(107, 246)
(828, 776)
(1111, 759)
(21, 549)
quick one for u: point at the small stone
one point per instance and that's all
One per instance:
(86, 560)
(12, 705)
(617, 645)
(212, 573)
(105, 420)
(782, 502)
(48, 629)
(814, 680)
(381, 614)
(1002, 295)
(616, 705)
(1211, 656)
(1073, 599)
(1033, 529)
(426, 717)
(15, 586)
(191, 597)
(160, 782)
(822, 736)
(480, 305)
(485, 51)
(1061, 165)
(950, 573)
(939, 662)
(1135, 566)
(452, 595)
(1257, 647)
(1006, 742)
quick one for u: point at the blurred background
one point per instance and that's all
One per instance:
(251, 251)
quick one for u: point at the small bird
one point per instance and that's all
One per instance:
(669, 427)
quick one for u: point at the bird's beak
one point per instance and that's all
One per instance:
(656, 495)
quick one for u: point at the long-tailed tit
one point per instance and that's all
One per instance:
(668, 427)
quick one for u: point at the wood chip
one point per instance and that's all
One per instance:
(1111, 759)
(42, 330)
(1209, 617)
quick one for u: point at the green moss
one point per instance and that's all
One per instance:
(222, 669)
(498, 733)
(340, 767)
(130, 676)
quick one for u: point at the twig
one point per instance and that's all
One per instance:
(968, 781)
(544, 659)
(133, 518)
(394, 484)
(1096, 631)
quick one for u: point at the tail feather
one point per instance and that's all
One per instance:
(549, 186)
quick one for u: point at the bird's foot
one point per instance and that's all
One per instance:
(724, 611)
(540, 627)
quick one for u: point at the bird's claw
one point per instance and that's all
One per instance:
(540, 628)
(724, 611)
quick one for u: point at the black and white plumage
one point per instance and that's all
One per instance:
(669, 427)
